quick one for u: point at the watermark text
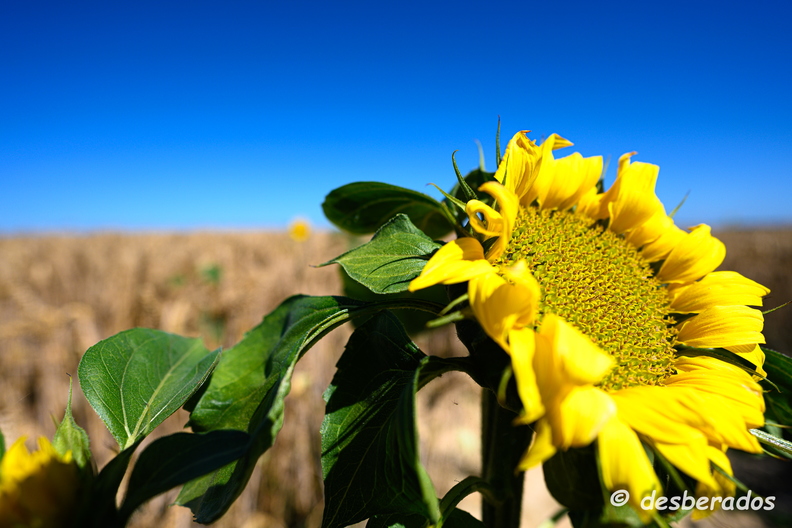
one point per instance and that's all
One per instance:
(689, 502)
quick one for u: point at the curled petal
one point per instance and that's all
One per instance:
(520, 164)
(719, 288)
(492, 225)
(722, 326)
(509, 206)
(457, 261)
(696, 255)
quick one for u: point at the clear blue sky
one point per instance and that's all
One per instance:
(180, 115)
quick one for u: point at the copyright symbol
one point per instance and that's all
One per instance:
(620, 497)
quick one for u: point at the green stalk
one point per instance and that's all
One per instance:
(502, 446)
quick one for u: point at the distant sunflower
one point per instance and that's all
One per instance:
(39, 489)
(299, 230)
(594, 294)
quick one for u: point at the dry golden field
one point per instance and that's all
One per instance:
(61, 294)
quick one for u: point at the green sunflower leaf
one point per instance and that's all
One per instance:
(101, 511)
(363, 207)
(136, 379)
(395, 255)
(370, 460)
(395, 520)
(461, 490)
(778, 400)
(413, 320)
(462, 519)
(71, 437)
(179, 458)
(248, 388)
(2, 445)
(573, 480)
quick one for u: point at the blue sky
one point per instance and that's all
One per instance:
(184, 115)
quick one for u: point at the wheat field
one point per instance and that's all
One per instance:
(61, 294)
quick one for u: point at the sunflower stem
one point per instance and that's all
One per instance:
(501, 447)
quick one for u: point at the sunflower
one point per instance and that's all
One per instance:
(599, 298)
(39, 489)
(299, 230)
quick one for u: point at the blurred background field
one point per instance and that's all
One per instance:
(61, 294)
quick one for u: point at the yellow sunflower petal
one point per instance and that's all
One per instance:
(719, 288)
(752, 353)
(625, 464)
(591, 204)
(520, 164)
(722, 326)
(656, 237)
(633, 200)
(715, 368)
(521, 276)
(696, 255)
(721, 379)
(729, 426)
(541, 448)
(650, 230)
(492, 224)
(523, 346)
(39, 488)
(509, 206)
(500, 306)
(691, 458)
(724, 486)
(581, 414)
(672, 417)
(545, 172)
(661, 247)
(572, 176)
(457, 261)
(568, 356)
(17, 462)
(683, 410)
